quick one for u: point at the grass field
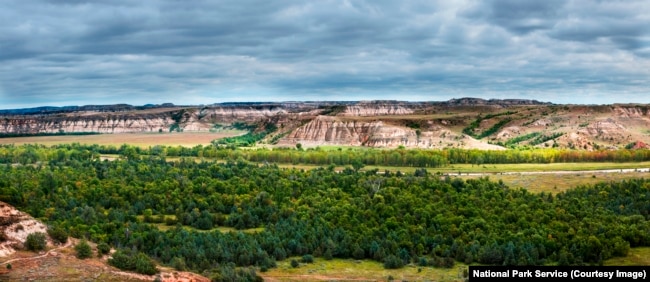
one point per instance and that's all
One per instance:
(555, 183)
(636, 256)
(357, 270)
(187, 139)
(366, 270)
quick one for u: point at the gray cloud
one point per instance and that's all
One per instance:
(83, 52)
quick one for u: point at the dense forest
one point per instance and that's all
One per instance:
(170, 211)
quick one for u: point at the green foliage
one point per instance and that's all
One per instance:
(248, 139)
(333, 110)
(393, 262)
(58, 234)
(521, 138)
(103, 249)
(133, 261)
(228, 272)
(389, 218)
(413, 124)
(630, 145)
(178, 116)
(243, 126)
(470, 129)
(83, 250)
(35, 241)
(294, 263)
(179, 264)
(9, 266)
(276, 138)
(175, 127)
(543, 138)
(494, 128)
(307, 259)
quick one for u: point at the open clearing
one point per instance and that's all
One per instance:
(357, 270)
(559, 182)
(366, 270)
(636, 256)
(186, 139)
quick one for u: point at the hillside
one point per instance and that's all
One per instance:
(58, 262)
(457, 123)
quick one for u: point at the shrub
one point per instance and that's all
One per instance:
(35, 241)
(294, 263)
(58, 234)
(129, 261)
(307, 259)
(102, 249)
(83, 250)
(393, 262)
(179, 264)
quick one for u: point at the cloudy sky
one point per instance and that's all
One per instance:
(76, 52)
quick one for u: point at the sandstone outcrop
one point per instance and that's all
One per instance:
(14, 228)
(365, 123)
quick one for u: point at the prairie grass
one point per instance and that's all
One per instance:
(636, 256)
(358, 270)
(186, 139)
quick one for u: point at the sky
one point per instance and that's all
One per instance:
(74, 52)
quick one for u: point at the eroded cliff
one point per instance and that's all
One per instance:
(454, 123)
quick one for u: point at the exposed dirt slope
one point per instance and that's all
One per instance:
(59, 263)
(457, 123)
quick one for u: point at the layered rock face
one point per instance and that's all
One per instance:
(186, 119)
(365, 109)
(326, 130)
(117, 124)
(330, 130)
(366, 123)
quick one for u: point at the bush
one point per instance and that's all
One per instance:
(294, 263)
(9, 266)
(35, 241)
(179, 264)
(102, 249)
(307, 259)
(139, 262)
(229, 272)
(58, 234)
(83, 250)
(393, 262)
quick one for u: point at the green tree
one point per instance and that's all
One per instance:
(58, 234)
(83, 250)
(102, 249)
(35, 241)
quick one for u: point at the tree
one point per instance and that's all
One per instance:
(179, 264)
(357, 164)
(58, 234)
(36, 241)
(102, 249)
(307, 259)
(393, 262)
(83, 250)
(294, 263)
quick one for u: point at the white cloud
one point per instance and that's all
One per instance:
(78, 52)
